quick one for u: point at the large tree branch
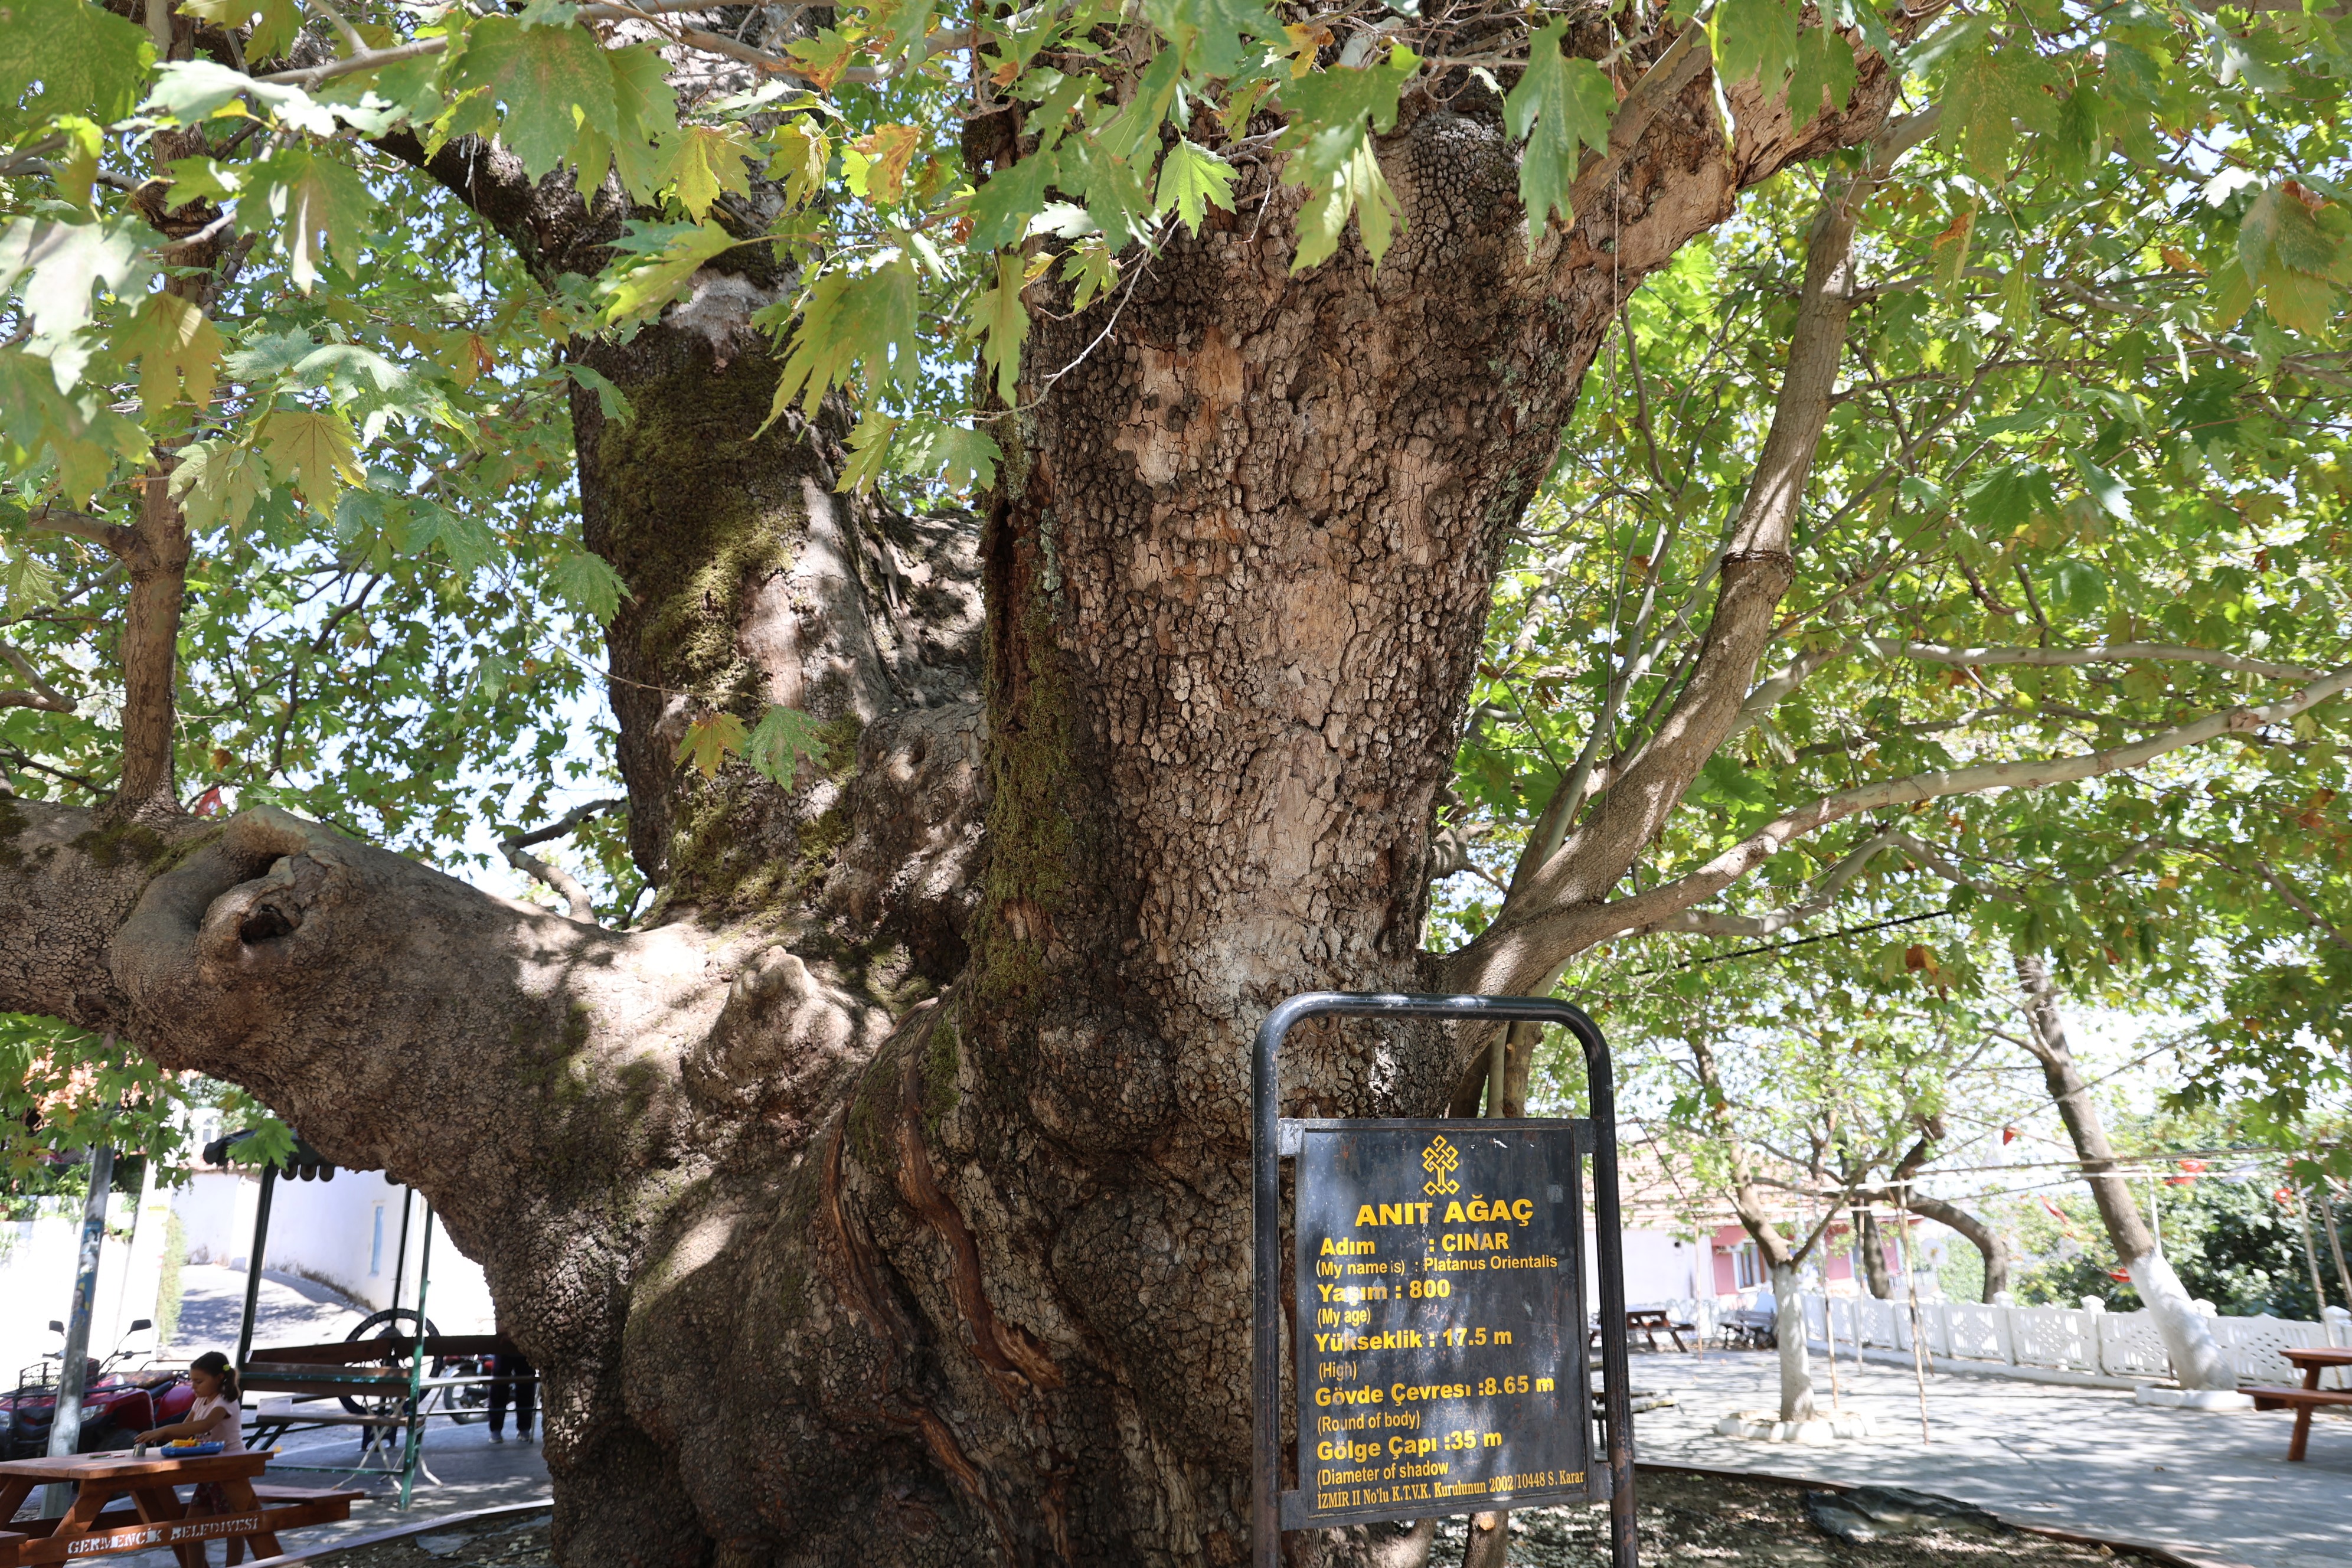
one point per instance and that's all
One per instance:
(1825, 892)
(2295, 898)
(1757, 564)
(42, 696)
(1530, 949)
(2106, 653)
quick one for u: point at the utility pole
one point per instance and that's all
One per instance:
(65, 1431)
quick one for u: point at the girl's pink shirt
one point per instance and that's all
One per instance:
(220, 1421)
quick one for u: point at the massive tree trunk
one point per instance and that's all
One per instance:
(884, 1199)
(2196, 1361)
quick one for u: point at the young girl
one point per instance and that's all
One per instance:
(217, 1416)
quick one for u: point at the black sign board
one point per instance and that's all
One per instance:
(1441, 1363)
(1440, 1314)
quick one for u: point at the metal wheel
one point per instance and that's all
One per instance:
(395, 1329)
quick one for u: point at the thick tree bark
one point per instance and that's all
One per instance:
(2197, 1361)
(886, 1200)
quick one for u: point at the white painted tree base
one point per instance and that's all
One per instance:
(2192, 1398)
(1766, 1426)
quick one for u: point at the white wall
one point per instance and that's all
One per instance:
(1659, 1267)
(39, 1257)
(344, 1233)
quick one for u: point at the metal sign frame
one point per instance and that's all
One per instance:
(1267, 1153)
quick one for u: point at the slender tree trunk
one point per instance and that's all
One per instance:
(1796, 1362)
(2197, 1361)
(1872, 1248)
(1987, 1241)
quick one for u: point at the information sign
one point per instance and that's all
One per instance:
(1441, 1319)
(1438, 1280)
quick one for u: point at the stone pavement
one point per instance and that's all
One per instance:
(472, 1472)
(2216, 1487)
(290, 1311)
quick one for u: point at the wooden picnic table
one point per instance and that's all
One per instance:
(155, 1516)
(1646, 1322)
(2314, 1360)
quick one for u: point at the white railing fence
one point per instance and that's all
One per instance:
(2086, 1339)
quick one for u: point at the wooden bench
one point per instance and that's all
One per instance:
(2303, 1402)
(97, 1524)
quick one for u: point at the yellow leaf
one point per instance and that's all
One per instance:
(1306, 38)
(891, 149)
(799, 161)
(178, 352)
(2179, 260)
(706, 160)
(315, 450)
(708, 739)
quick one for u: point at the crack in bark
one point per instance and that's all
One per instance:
(1015, 1360)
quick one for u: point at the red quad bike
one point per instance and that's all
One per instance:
(116, 1407)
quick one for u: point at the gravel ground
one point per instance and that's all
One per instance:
(498, 1544)
(1685, 1520)
(1695, 1519)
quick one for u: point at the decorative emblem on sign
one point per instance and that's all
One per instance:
(1440, 1159)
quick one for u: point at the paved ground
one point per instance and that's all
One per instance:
(468, 1471)
(2215, 1487)
(291, 1310)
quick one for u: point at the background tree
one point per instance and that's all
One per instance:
(877, 1194)
(1800, 1093)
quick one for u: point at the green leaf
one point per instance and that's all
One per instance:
(708, 739)
(1213, 30)
(587, 582)
(1560, 104)
(869, 453)
(1001, 208)
(314, 451)
(190, 91)
(2008, 498)
(1192, 180)
(60, 262)
(2077, 587)
(1134, 130)
(645, 289)
(27, 583)
(541, 75)
(1345, 94)
(1000, 317)
(1825, 70)
(276, 22)
(216, 484)
(1989, 91)
(960, 458)
(611, 401)
(1343, 177)
(323, 207)
(1755, 40)
(1116, 196)
(782, 738)
(177, 349)
(849, 320)
(87, 62)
